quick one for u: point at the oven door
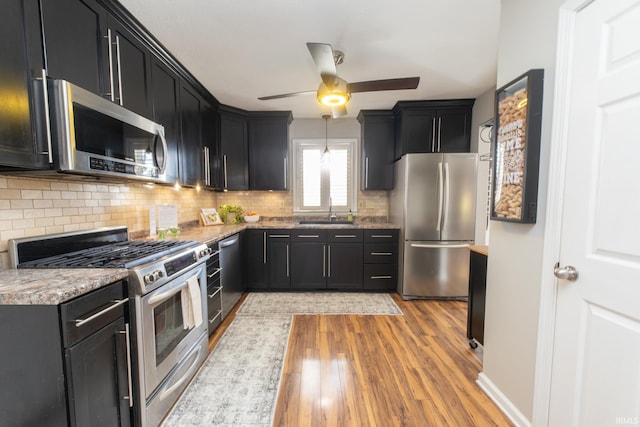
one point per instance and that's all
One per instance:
(166, 336)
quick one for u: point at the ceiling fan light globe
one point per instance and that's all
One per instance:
(333, 99)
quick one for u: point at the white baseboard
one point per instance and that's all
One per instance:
(502, 401)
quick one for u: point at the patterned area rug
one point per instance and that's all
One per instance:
(238, 383)
(318, 303)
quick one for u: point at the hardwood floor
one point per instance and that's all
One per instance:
(410, 370)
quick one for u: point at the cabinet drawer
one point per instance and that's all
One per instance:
(380, 276)
(214, 301)
(343, 236)
(384, 235)
(308, 236)
(86, 314)
(380, 253)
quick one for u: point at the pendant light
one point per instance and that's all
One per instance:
(325, 153)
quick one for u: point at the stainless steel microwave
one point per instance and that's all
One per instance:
(94, 136)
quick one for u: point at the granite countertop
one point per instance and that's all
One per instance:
(52, 287)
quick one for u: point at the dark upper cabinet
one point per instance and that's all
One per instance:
(76, 41)
(190, 154)
(23, 143)
(433, 126)
(234, 170)
(87, 46)
(165, 89)
(131, 65)
(269, 150)
(377, 135)
(210, 146)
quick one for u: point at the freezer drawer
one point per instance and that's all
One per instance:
(435, 270)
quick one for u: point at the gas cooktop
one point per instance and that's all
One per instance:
(114, 255)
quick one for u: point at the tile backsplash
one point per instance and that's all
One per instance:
(33, 207)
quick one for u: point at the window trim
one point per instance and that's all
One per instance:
(353, 190)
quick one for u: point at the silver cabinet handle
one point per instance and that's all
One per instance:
(433, 134)
(285, 173)
(119, 69)
(380, 277)
(328, 260)
(224, 169)
(381, 236)
(47, 114)
(207, 170)
(381, 253)
(308, 236)
(209, 276)
(366, 172)
(324, 260)
(116, 303)
(345, 236)
(264, 247)
(129, 382)
(279, 235)
(110, 94)
(439, 127)
(287, 260)
(568, 272)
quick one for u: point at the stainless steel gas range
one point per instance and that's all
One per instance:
(167, 293)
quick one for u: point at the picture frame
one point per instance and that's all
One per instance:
(516, 149)
(210, 216)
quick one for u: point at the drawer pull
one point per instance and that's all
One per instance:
(380, 277)
(311, 236)
(381, 253)
(216, 292)
(213, 319)
(117, 303)
(279, 235)
(209, 276)
(381, 236)
(345, 236)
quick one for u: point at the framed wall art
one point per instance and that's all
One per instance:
(516, 149)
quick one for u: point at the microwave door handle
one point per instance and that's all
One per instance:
(165, 149)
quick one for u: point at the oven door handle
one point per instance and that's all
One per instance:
(166, 295)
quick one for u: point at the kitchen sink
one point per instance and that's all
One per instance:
(324, 222)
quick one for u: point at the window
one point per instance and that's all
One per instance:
(324, 181)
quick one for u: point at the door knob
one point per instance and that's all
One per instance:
(568, 272)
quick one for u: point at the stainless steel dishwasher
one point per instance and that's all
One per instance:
(231, 272)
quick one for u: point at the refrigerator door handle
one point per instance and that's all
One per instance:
(446, 195)
(428, 246)
(440, 186)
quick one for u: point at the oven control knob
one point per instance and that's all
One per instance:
(152, 277)
(205, 252)
(157, 275)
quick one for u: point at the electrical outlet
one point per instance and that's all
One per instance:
(281, 204)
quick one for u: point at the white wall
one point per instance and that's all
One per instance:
(314, 128)
(527, 40)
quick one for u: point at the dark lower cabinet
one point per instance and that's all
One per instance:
(477, 293)
(279, 259)
(22, 141)
(214, 289)
(344, 266)
(97, 378)
(381, 259)
(256, 258)
(67, 365)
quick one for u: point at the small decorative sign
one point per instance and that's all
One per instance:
(516, 149)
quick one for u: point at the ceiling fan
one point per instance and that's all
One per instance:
(335, 92)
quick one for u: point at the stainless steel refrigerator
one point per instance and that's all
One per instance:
(434, 202)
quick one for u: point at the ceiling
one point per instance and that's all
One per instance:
(244, 49)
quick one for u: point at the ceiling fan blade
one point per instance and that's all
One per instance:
(322, 55)
(338, 111)
(387, 84)
(287, 95)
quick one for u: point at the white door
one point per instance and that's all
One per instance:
(596, 361)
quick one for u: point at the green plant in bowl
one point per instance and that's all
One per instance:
(231, 214)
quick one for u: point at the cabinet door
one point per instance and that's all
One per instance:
(97, 369)
(233, 144)
(279, 261)
(256, 257)
(344, 269)
(131, 65)
(377, 134)
(454, 128)
(416, 133)
(76, 42)
(165, 85)
(190, 147)
(21, 60)
(309, 265)
(211, 144)
(268, 153)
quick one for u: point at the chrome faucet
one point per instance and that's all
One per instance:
(332, 215)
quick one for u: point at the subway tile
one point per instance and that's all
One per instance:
(61, 203)
(44, 222)
(11, 214)
(21, 224)
(54, 229)
(3, 182)
(22, 204)
(31, 194)
(62, 220)
(53, 212)
(33, 213)
(61, 186)
(5, 204)
(43, 203)
(10, 194)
